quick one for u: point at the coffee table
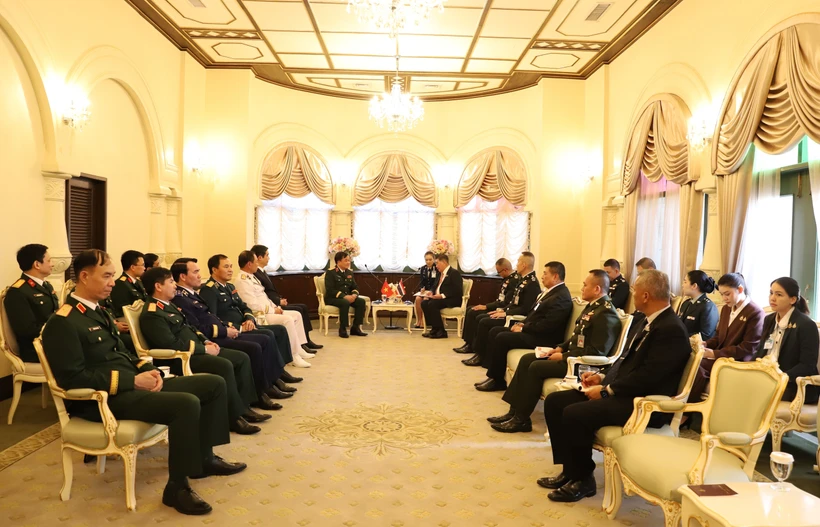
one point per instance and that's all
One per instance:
(407, 308)
(754, 505)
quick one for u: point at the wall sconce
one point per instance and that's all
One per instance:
(76, 114)
(700, 128)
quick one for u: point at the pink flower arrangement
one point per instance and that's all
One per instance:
(441, 247)
(342, 244)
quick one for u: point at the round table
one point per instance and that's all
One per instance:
(384, 306)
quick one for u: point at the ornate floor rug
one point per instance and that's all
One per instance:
(384, 431)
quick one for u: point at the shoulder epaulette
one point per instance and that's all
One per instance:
(152, 307)
(18, 283)
(123, 278)
(209, 283)
(64, 310)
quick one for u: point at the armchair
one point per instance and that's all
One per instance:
(458, 313)
(132, 317)
(68, 286)
(736, 420)
(327, 312)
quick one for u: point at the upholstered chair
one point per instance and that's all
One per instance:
(326, 312)
(132, 317)
(458, 313)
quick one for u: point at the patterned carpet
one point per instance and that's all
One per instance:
(385, 431)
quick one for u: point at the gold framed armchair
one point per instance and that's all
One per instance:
(458, 313)
(68, 286)
(132, 317)
(736, 418)
(327, 312)
(110, 437)
(795, 415)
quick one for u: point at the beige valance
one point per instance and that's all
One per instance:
(493, 174)
(295, 171)
(774, 99)
(657, 145)
(394, 177)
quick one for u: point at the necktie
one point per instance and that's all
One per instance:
(101, 312)
(637, 339)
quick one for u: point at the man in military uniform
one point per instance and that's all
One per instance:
(618, 286)
(30, 300)
(266, 362)
(222, 300)
(84, 351)
(545, 325)
(129, 287)
(164, 326)
(262, 259)
(525, 293)
(341, 291)
(596, 332)
(510, 279)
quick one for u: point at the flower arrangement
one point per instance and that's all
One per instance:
(348, 245)
(441, 247)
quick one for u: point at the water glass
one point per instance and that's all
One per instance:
(584, 368)
(781, 465)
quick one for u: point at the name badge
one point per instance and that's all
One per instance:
(581, 340)
(769, 344)
(690, 317)
(38, 294)
(95, 328)
(221, 293)
(500, 296)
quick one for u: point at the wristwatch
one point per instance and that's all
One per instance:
(604, 393)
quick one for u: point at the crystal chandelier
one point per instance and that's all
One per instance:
(397, 110)
(394, 16)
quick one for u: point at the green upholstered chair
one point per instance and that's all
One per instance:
(132, 317)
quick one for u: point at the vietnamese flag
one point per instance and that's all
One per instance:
(386, 289)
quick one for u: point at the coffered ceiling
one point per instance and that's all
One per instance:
(472, 48)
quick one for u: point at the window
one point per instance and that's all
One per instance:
(489, 230)
(296, 232)
(84, 216)
(393, 236)
(658, 226)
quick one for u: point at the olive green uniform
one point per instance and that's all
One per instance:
(84, 351)
(28, 306)
(126, 291)
(338, 284)
(164, 326)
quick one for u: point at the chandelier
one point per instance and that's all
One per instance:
(397, 110)
(394, 16)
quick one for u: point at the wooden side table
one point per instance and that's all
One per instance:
(754, 505)
(408, 308)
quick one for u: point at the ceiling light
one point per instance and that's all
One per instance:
(394, 16)
(398, 111)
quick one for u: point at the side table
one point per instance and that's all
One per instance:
(407, 308)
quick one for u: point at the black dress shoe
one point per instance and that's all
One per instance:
(426, 334)
(265, 403)
(438, 334)
(492, 385)
(275, 393)
(255, 417)
(481, 382)
(553, 482)
(502, 418)
(356, 330)
(313, 345)
(475, 360)
(514, 425)
(184, 500)
(464, 349)
(241, 427)
(307, 349)
(219, 467)
(343, 333)
(575, 491)
(287, 377)
(279, 383)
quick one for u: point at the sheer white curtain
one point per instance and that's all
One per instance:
(393, 235)
(658, 227)
(489, 230)
(296, 232)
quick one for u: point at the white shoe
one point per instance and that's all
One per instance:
(305, 355)
(299, 362)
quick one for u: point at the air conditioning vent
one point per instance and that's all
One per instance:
(598, 12)
(197, 3)
(362, 85)
(433, 86)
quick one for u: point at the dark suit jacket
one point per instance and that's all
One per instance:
(267, 283)
(452, 288)
(619, 292)
(739, 340)
(507, 292)
(549, 317)
(699, 316)
(198, 315)
(798, 352)
(655, 366)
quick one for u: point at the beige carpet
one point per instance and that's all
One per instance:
(384, 431)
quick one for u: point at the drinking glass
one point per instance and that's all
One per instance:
(781, 465)
(584, 368)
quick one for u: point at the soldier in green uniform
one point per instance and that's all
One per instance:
(164, 326)
(618, 286)
(84, 351)
(596, 332)
(341, 291)
(30, 300)
(129, 288)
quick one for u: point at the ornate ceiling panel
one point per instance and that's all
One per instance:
(472, 48)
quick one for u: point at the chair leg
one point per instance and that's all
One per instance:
(615, 485)
(45, 393)
(327, 323)
(129, 459)
(459, 322)
(101, 464)
(671, 513)
(68, 475)
(15, 398)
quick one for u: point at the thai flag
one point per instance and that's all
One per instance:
(401, 288)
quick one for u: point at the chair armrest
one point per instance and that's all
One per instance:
(80, 394)
(513, 318)
(165, 354)
(729, 441)
(797, 403)
(734, 438)
(643, 407)
(593, 360)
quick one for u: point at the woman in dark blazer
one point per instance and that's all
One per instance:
(698, 313)
(791, 336)
(427, 282)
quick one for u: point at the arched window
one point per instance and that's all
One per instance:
(293, 220)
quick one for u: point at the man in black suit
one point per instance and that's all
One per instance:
(448, 293)
(652, 364)
(545, 325)
(262, 258)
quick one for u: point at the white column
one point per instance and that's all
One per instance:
(54, 229)
(612, 245)
(711, 263)
(158, 226)
(341, 223)
(173, 244)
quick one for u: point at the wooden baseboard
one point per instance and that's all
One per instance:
(6, 385)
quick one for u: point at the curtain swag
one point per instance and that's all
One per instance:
(492, 175)
(297, 172)
(393, 178)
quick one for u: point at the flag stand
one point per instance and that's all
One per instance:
(391, 326)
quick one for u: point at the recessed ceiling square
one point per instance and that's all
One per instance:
(500, 48)
(291, 16)
(512, 23)
(293, 41)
